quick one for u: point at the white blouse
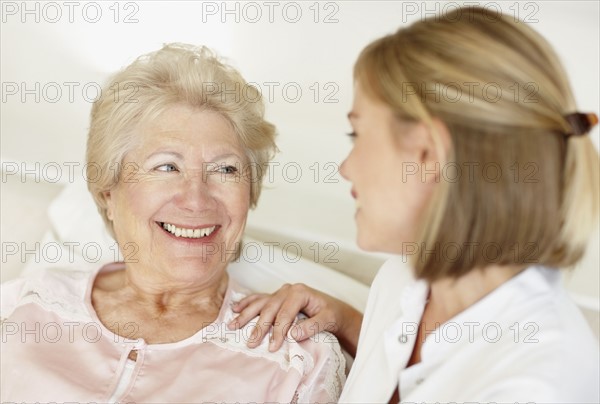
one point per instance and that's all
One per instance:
(524, 342)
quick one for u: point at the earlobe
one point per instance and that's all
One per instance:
(108, 200)
(438, 144)
(434, 147)
(444, 143)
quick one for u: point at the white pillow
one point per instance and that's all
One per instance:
(78, 226)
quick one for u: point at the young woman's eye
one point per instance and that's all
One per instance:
(167, 167)
(228, 169)
(352, 136)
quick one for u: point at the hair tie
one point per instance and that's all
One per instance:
(581, 123)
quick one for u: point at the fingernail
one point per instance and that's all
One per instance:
(252, 338)
(297, 332)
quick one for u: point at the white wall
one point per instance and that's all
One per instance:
(272, 50)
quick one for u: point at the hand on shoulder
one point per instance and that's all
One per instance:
(279, 311)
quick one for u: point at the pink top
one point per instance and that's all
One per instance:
(54, 349)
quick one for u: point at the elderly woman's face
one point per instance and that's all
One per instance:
(181, 203)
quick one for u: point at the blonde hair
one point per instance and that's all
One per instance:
(175, 74)
(502, 93)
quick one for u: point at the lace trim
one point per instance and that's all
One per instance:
(67, 306)
(291, 357)
(336, 376)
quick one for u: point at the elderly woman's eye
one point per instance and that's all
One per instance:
(228, 169)
(167, 167)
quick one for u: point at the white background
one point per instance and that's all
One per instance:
(282, 46)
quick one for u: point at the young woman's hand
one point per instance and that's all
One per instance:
(279, 310)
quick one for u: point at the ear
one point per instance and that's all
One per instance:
(428, 146)
(442, 141)
(433, 149)
(437, 144)
(109, 204)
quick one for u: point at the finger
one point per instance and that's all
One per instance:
(283, 322)
(250, 311)
(242, 304)
(263, 325)
(270, 307)
(310, 327)
(294, 299)
(285, 318)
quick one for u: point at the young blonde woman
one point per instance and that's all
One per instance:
(472, 164)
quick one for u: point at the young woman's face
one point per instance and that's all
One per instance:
(388, 171)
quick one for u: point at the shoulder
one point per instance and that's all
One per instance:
(327, 370)
(548, 351)
(318, 361)
(55, 289)
(547, 368)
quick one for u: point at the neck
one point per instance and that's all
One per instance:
(160, 310)
(165, 295)
(450, 296)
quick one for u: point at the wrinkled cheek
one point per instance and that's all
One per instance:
(133, 240)
(237, 225)
(131, 222)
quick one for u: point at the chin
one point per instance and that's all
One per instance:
(194, 260)
(366, 244)
(193, 270)
(372, 244)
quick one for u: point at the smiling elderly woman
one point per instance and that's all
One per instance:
(174, 165)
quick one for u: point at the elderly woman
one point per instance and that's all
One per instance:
(471, 162)
(174, 163)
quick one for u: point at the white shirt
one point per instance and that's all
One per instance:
(524, 342)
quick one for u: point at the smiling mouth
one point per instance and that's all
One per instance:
(185, 232)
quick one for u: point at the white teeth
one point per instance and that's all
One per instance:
(188, 233)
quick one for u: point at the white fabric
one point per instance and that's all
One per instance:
(524, 342)
(123, 381)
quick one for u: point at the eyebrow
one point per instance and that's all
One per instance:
(180, 156)
(225, 155)
(171, 153)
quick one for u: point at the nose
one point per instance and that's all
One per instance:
(195, 194)
(344, 168)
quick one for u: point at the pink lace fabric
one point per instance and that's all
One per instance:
(54, 349)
